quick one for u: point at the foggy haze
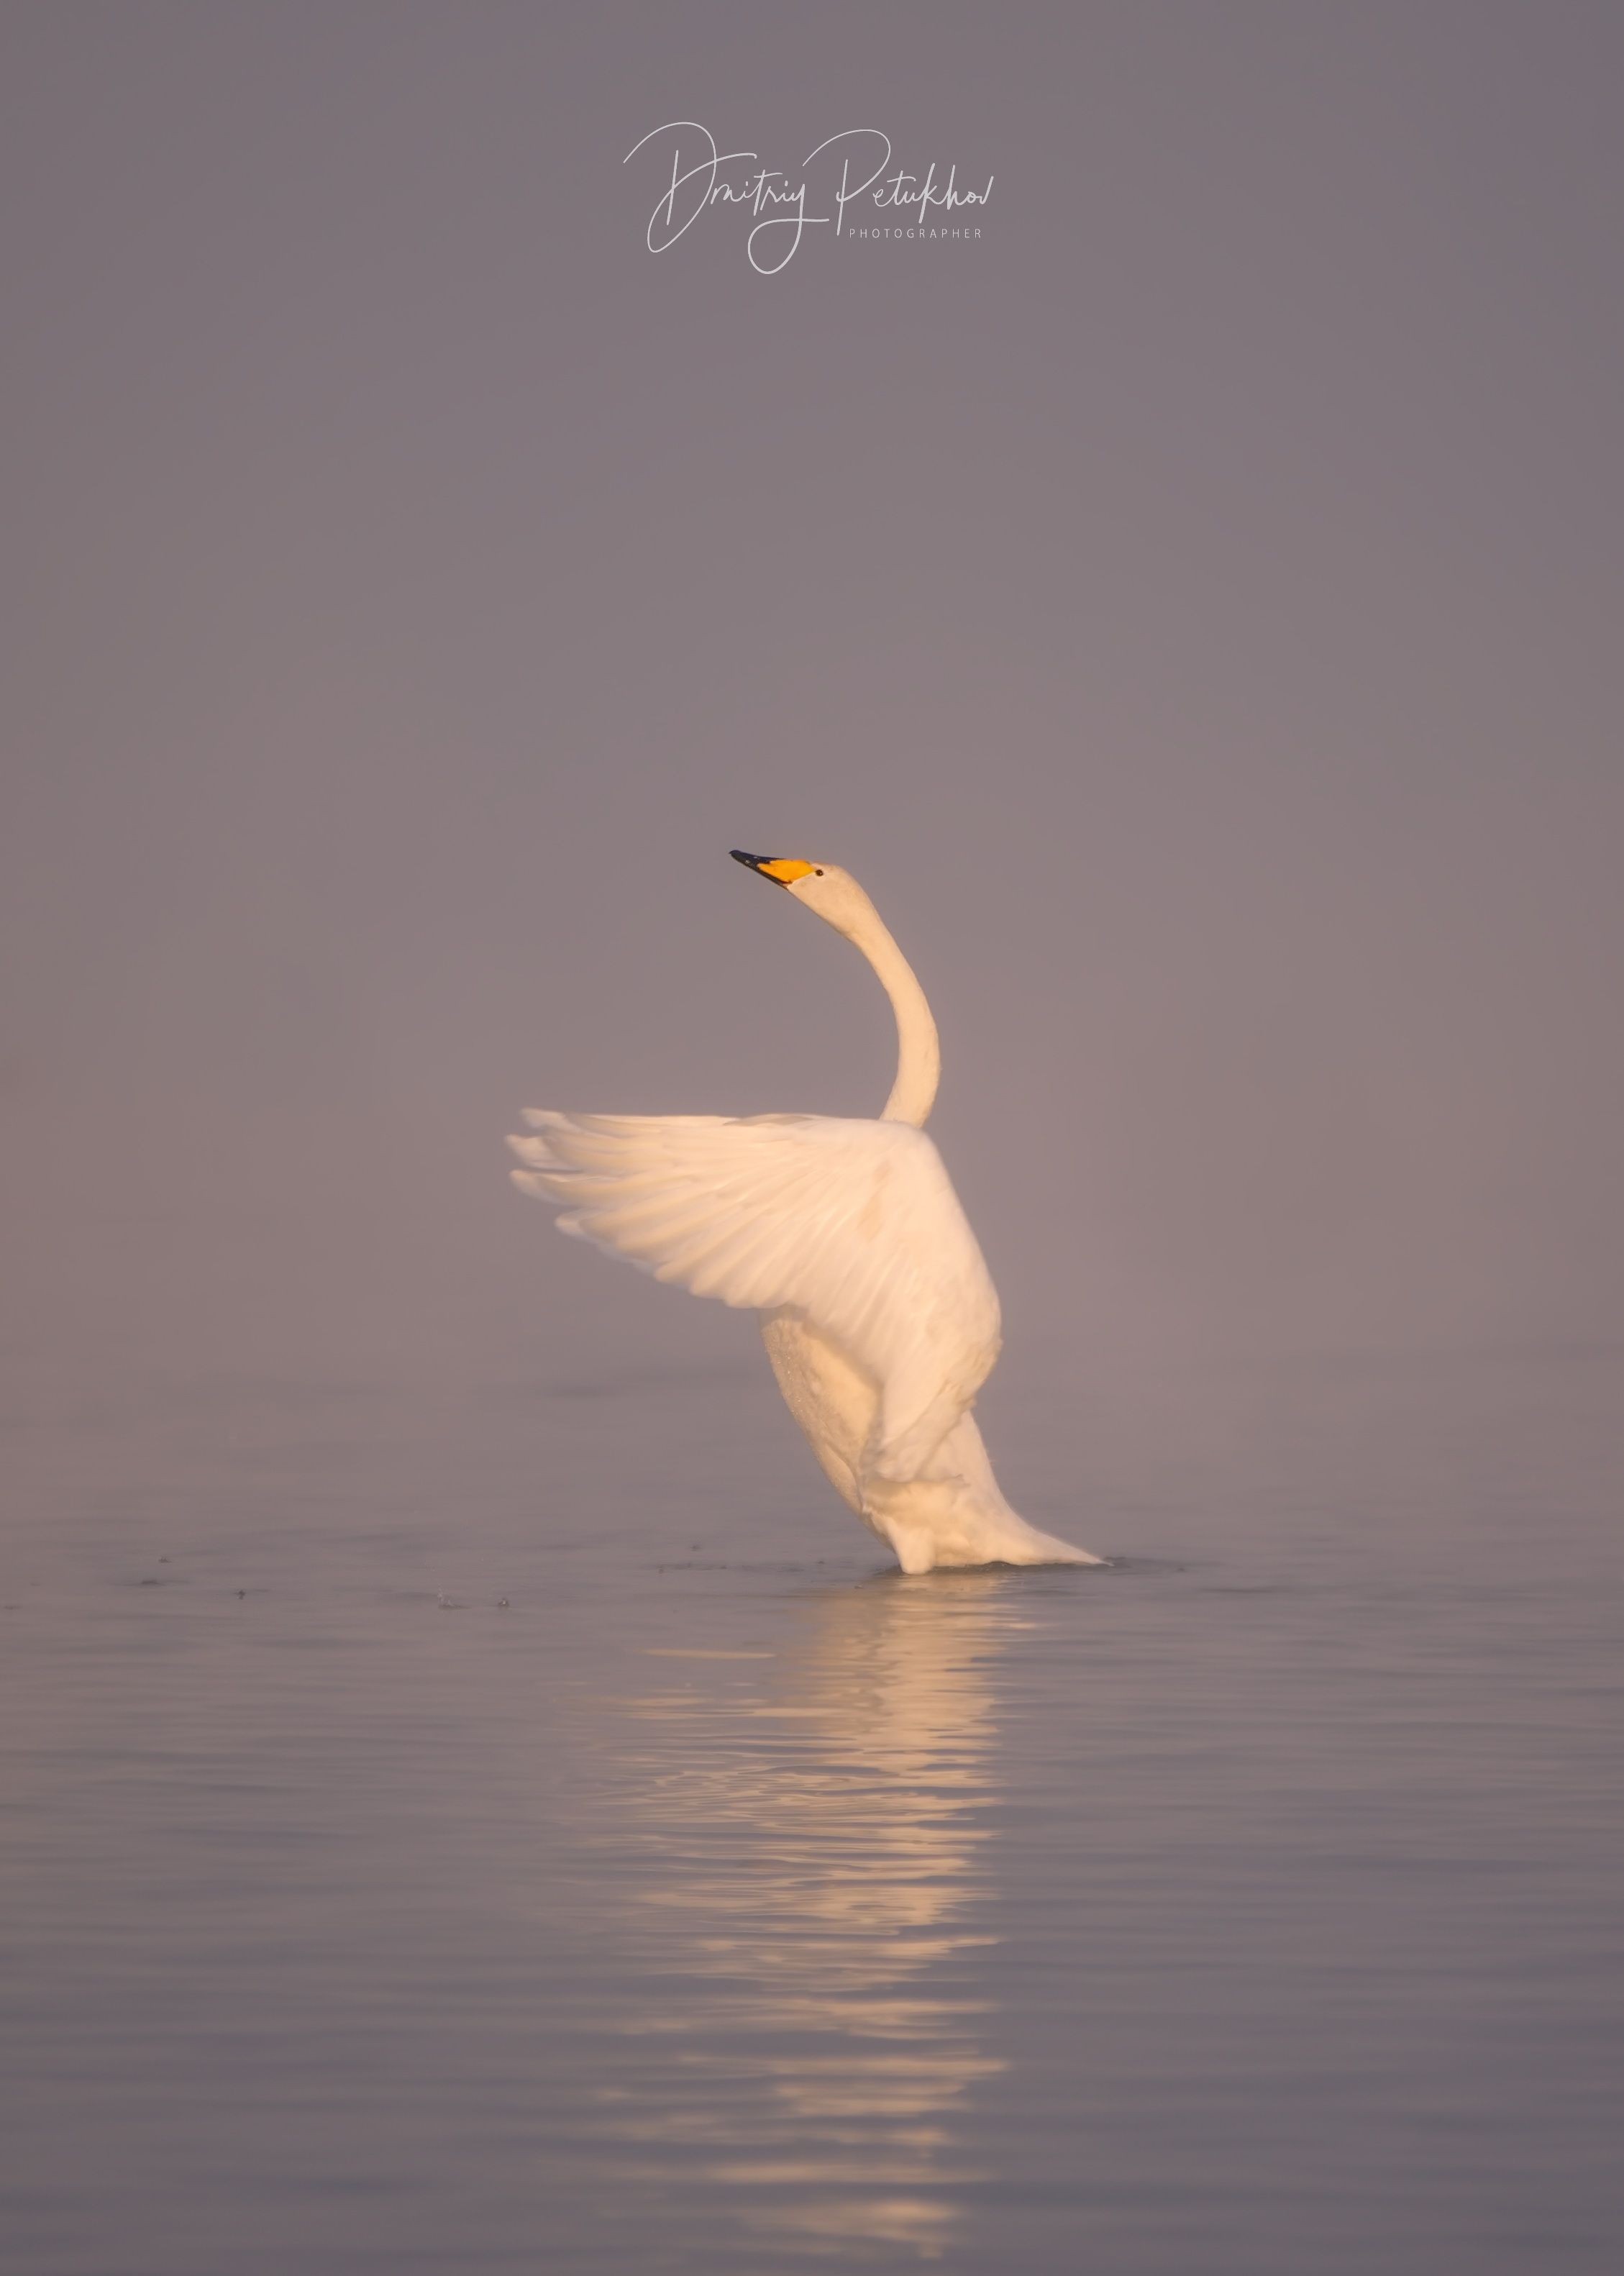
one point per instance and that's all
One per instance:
(1192, 610)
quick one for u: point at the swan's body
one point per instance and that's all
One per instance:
(879, 1316)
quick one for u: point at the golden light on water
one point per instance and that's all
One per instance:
(821, 1858)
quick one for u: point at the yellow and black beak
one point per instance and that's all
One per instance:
(781, 872)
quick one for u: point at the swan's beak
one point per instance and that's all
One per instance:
(781, 873)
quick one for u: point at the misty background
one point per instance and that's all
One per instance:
(1192, 610)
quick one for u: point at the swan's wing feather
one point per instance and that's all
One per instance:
(853, 1224)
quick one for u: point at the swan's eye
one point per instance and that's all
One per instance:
(817, 873)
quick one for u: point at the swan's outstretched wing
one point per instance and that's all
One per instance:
(853, 1224)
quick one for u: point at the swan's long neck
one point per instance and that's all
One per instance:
(919, 1054)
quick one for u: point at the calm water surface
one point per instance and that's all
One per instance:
(719, 1902)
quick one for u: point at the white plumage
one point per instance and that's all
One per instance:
(879, 1315)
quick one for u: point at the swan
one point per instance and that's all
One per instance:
(879, 1316)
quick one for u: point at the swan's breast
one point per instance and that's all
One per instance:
(828, 1395)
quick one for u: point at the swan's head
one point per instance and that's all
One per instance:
(833, 893)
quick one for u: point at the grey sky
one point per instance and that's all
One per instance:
(1192, 610)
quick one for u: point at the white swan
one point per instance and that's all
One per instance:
(879, 1316)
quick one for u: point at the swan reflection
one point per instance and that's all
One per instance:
(819, 1863)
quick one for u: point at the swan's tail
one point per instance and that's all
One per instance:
(957, 1514)
(939, 1522)
(1026, 1545)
